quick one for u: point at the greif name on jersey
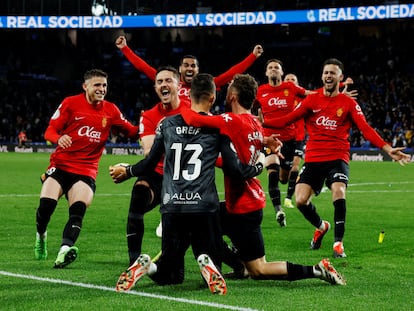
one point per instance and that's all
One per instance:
(191, 130)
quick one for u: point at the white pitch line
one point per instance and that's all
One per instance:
(111, 289)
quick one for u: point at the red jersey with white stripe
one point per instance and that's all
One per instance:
(151, 118)
(89, 127)
(328, 121)
(246, 134)
(277, 101)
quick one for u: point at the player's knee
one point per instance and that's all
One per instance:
(273, 167)
(301, 201)
(256, 272)
(141, 198)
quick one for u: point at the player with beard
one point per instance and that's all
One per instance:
(277, 98)
(188, 69)
(329, 116)
(80, 127)
(245, 199)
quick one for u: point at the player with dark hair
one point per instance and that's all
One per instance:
(299, 148)
(245, 199)
(146, 191)
(277, 98)
(190, 204)
(80, 127)
(188, 69)
(329, 115)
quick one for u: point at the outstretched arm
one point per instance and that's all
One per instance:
(134, 59)
(397, 154)
(241, 67)
(198, 120)
(122, 172)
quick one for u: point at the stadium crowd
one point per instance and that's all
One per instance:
(40, 67)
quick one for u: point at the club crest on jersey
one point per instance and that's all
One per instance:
(339, 112)
(286, 92)
(104, 122)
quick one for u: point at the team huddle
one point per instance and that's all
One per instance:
(183, 144)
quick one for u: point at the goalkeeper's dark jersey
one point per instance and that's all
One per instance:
(189, 165)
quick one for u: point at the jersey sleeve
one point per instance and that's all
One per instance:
(232, 166)
(149, 163)
(289, 118)
(123, 124)
(367, 131)
(58, 122)
(198, 120)
(139, 63)
(147, 124)
(241, 67)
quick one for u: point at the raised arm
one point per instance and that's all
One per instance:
(134, 59)
(241, 67)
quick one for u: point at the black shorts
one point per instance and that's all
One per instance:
(299, 148)
(180, 230)
(66, 180)
(316, 173)
(288, 151)
(244, 231)
(154, 180)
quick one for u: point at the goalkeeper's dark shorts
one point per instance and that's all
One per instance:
(244, 231)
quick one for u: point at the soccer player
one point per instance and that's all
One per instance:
(190, 205)
(277, 98)
(188, 67)
(245, 199)
(146, 192)
(299, 148)
(80, 127)
(329, 116)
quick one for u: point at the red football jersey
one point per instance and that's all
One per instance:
(150, 120)
(277, 101)
(89, 127)
(246, 134)
(328, 121)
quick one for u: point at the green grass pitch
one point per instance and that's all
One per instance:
(380, 276)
